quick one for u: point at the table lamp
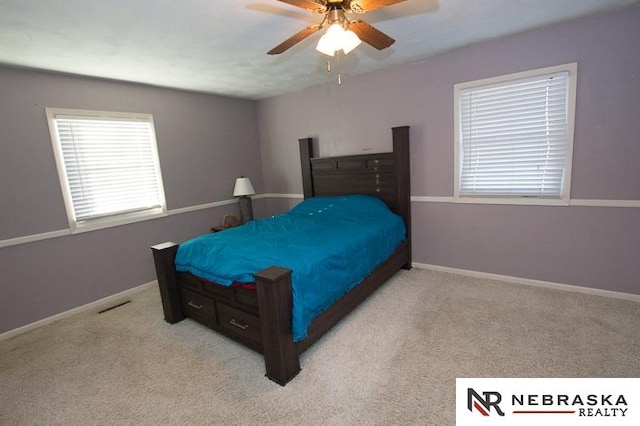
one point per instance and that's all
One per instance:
(243, 189)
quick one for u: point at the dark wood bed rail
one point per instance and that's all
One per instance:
(385, 175)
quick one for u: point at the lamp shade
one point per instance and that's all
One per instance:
(243, 187)
(350, 41)
(331, 40)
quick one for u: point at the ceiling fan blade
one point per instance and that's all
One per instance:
(362, 6)
(370, 35)
(294, 39)
(312, 5)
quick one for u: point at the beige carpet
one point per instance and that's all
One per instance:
(393, 361)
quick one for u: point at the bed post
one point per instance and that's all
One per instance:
(163, 256)
(281, 356)
(403, 181)
(305, 163)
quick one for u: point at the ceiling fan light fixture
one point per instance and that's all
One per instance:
(337, 38)
(330, 40)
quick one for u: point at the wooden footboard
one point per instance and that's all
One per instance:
(210, 306)
(230, 311)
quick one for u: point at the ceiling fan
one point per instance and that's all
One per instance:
(343, 34)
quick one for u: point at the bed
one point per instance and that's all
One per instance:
(260, 315)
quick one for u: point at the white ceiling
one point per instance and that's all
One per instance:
(219, 46)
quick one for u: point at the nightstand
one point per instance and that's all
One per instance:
(220, 228)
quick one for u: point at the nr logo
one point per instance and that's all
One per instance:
(484, 404)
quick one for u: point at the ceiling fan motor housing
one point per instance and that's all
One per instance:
(335, 15)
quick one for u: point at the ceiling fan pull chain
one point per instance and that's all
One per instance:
(338, 65)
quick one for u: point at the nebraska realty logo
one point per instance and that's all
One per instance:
(554, 401)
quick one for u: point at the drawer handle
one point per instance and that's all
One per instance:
(193, 305)
(240, 326)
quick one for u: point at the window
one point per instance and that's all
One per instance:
(108, 167)
(514, 136)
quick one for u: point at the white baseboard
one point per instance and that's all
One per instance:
(97, 305)
(535, 283)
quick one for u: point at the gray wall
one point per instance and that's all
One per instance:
(595, 247)
(204, 143)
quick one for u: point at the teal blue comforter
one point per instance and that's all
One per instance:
(330, 243)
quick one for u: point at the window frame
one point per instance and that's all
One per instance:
(114, 219)
(564, 198)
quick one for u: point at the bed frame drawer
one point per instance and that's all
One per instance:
(240, 323)
(197, 306)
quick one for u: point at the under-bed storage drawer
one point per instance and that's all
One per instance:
(197, 306)
(240, 323)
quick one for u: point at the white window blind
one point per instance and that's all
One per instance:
(110, 165)
(514, 138)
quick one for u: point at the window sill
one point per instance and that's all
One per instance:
(519, 201)
(109, 222)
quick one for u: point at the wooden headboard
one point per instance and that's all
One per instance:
(384, 175)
